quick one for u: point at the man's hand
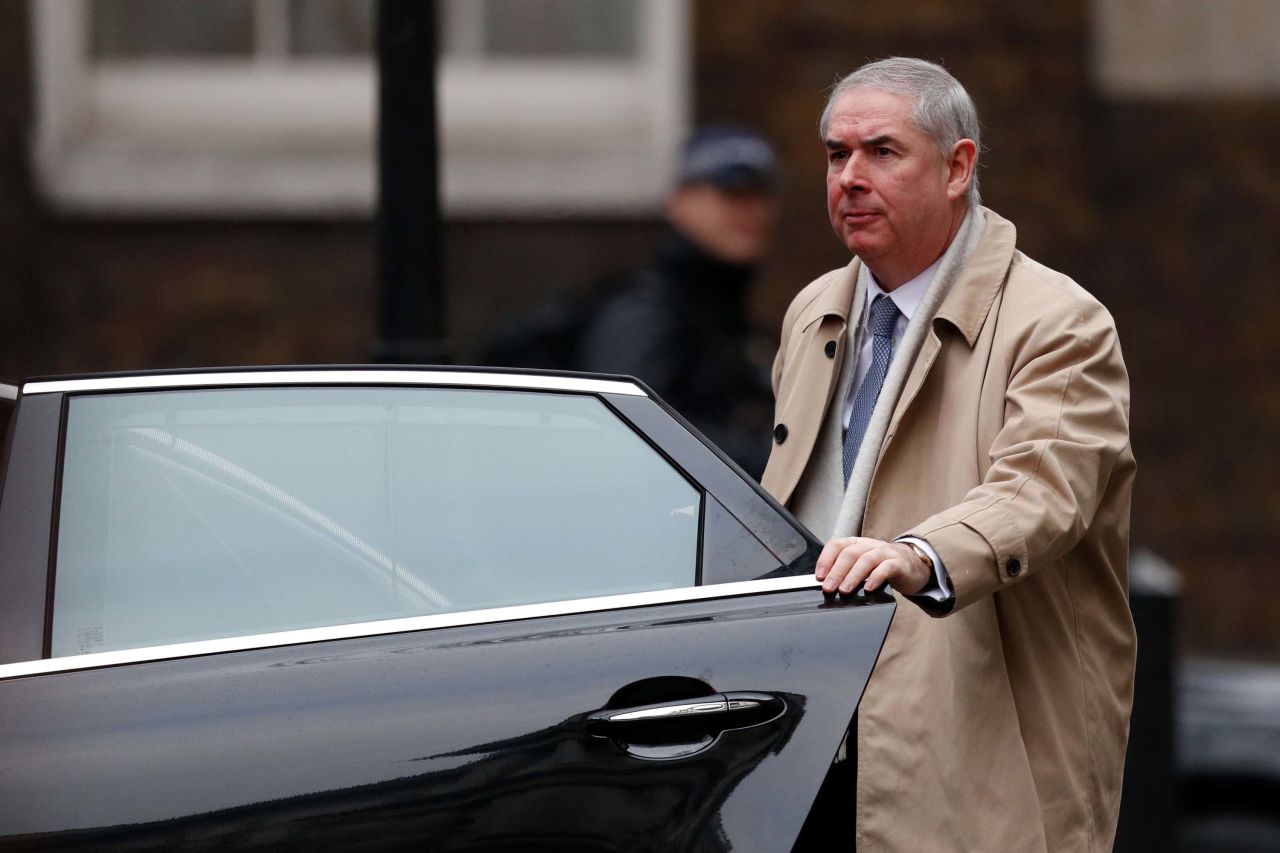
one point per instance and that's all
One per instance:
(847, 562)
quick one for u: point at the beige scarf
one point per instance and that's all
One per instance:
(822, 501)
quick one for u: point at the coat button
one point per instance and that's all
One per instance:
(1012, 567)
(780, 433)
(830, 349)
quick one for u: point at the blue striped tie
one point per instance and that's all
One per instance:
(884, 316)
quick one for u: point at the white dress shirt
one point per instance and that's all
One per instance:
(907, 298)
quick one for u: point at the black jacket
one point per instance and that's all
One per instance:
(681, 327)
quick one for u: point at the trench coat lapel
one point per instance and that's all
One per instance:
(965, 307)
(919, 370)
(812, 375)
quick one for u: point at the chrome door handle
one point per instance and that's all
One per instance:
(683, 727)
(736, 709)
(717, 705)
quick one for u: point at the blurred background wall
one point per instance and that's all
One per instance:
(1135, 143)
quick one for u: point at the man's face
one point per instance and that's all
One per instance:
(732, 226)
(894, 201)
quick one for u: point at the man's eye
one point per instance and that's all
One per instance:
(836, 155)
(881, 151)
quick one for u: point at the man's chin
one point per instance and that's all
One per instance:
(862, 246)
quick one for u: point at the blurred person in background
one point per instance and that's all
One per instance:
(954, 418)
(680, 324)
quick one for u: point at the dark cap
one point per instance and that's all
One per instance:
(728, 156)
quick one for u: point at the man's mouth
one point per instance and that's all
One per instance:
(859, 216)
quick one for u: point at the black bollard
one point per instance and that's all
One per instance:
(1148, 805)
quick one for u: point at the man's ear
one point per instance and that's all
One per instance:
(961, 162)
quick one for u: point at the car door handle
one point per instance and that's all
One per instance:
(682, 728)
(720, 711)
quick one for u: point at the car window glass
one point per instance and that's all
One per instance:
(190, 515)
(731, 553)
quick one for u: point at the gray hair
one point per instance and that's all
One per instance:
(943, 109)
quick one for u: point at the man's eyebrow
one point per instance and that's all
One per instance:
(871, 142)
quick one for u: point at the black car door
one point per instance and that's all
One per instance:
(339, 611)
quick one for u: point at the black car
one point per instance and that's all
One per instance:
(381, 608)
(1228, 749)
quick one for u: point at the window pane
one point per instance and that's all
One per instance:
(331, 27)
(152, 28)
(561, 28)
(192, 515)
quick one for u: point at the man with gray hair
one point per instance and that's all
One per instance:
(953, 416)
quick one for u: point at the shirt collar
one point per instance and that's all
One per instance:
(907, 296)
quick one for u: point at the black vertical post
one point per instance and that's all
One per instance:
(410, 303)
(1149, 804)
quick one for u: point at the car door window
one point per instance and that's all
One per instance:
(189, 515)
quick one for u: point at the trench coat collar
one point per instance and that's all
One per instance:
(835, 300)
(969, 300)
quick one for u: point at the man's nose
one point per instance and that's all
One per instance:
(851, 178)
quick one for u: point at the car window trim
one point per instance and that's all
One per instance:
(446, 378)
(358, 630)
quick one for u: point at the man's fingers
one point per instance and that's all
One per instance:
(884, 573)
(861, 570)
(871, 569)
(830, 553)
(838, 574)
(827, 557)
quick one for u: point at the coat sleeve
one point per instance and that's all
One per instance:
(1066, 422)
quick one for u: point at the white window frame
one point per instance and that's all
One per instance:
(286, 138)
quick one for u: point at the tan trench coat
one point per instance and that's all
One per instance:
(1002, 726)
